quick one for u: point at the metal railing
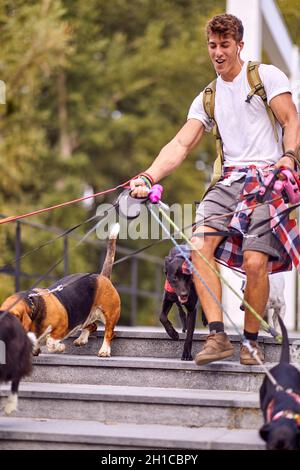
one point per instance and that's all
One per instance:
(132, 289)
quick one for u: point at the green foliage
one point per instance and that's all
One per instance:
(94, 90)
(291, 14)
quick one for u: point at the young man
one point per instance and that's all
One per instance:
(249, 144)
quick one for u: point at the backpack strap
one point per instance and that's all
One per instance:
(257, 88)
(209, 95)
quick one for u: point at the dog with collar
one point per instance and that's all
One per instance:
(15, 356)
(281, 405)
(179, 289)
(78, 301)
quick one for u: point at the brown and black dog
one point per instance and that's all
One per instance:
(83, 301)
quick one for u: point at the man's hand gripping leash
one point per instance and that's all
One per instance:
(130, 200)
(284, 182)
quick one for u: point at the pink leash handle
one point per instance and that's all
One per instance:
(288, 188)
(291, 186)
(267, 181)
(155, 193)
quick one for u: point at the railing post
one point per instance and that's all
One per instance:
(134, 286)
(158, 282)
(66, 256)
(18, 260)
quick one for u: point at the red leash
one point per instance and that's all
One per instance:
(67, 203)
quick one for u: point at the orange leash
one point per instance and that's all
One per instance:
(63, 204)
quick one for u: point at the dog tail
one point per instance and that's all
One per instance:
(111, 250)
(285, 350)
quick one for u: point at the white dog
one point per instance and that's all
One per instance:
(276, 303)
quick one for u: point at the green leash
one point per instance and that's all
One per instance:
(265, 326)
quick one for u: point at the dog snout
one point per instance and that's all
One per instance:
(183, 296)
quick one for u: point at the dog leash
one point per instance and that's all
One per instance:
(63, 204)
(154, 197)
(263, 192)
(61, 235)
(280, 215)
(264, 324)
(23, 295)
(245, 341)
(162, 208)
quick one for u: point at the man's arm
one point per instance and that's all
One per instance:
(171, 155)
(286, 113)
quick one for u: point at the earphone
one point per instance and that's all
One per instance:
(237, 56)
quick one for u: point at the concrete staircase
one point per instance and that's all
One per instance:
(143, 397)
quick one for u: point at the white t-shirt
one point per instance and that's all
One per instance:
(246, 130)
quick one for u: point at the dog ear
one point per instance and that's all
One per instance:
(264, 431)
(166, 263)
(24, 317)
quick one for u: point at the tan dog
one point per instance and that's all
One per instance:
(78, 301)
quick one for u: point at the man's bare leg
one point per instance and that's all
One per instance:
(217, 345)
(257, 287)
(207, 246)
(256, 294)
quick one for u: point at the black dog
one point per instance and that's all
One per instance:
(180, 290)
(281, 408)
(15, 356)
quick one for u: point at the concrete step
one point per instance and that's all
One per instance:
(148, 372)
(154, 342)
(169, 406)
(26, 433)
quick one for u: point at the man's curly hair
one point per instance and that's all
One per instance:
(226, 24)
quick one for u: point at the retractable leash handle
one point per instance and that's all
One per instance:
(155, 193)
(291, 186)
(130, 207)
(270, 182)
(155, 196)
(283, 181)
(278, 185)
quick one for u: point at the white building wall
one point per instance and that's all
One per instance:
(250, 14)
(265, 28)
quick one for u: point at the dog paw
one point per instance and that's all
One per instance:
(174, 336)
(79, 342)
(60, 348)
(104, 353)
(57, 348)
(9, 409)
(54, 345)
(186, 356)
(11, 404)
(172, 333)
(36, 351)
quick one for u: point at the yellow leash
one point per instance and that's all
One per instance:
(264, 324)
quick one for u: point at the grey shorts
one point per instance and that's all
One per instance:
(222, 199)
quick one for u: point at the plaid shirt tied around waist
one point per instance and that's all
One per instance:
(229, 252)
